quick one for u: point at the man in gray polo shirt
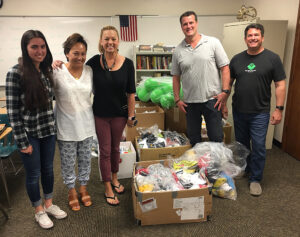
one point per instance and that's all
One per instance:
(197, 63)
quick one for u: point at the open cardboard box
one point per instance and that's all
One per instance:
(152, 208)
(145, 119)
(145, 154)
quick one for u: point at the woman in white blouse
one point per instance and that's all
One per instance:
(74, 118)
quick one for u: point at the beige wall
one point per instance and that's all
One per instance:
(280, 10)
(115, 7)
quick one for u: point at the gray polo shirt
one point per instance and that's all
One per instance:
(199, 68)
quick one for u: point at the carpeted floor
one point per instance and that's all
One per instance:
(275, 213)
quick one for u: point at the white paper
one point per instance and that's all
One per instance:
(191, 208)
(148, 205)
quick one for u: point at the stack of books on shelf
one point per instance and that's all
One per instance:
(158, 48)
(145, 48)
(153, 62)
(169, 48)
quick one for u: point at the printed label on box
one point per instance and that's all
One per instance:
(191, 208)
(148, 205)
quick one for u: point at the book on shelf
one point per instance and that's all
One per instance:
(158, 48)
(145, 48)
(138, 62)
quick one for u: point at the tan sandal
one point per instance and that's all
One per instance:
(73, 200)
(84, 196)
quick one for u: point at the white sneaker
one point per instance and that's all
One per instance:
(55, 211)
(44, 221)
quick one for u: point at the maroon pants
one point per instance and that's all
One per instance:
(109, 132)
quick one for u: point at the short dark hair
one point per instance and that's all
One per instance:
(71, 41)
(188, 13)
(255, 26)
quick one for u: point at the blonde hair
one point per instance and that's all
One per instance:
(100, 48)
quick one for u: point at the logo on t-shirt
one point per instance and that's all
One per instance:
(251, 67)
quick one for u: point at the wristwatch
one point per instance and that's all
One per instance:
(280, 107)
(131, 118)
(226, 91)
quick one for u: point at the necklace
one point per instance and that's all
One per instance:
(75, 73)
(106, 67)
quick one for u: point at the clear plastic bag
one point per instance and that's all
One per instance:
(239, 154)
(224, 187)
(175, 139)
(164, 179)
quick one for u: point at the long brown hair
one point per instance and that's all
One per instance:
(36, 95)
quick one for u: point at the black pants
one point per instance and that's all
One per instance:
(213, 120)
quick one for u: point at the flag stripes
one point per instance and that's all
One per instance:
(128, 27)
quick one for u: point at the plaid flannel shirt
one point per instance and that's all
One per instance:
(39, 123)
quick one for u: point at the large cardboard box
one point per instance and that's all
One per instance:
(146, 154)
(227, 133)
(152, 208)
(147, 117)
(175, 120)
(127, 160)
(141, 104)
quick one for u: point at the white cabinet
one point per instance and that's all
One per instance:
(274, 40)
(151, 63)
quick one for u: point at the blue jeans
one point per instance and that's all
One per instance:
(253, 127)
(213, 120)
(39, 164)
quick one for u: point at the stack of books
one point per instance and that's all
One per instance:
(145, 48)
(158, 48)
(169, 48)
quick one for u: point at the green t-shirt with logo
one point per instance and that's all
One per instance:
(253, 76)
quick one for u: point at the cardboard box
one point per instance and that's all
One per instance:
(175, 120)
(227, 133)
(140, 104)
(127, 161)
(146, 120)
(146, 154)
(152, 208)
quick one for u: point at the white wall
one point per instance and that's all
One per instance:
(280, 10)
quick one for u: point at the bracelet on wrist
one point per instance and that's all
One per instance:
(177, 101)
(280, 107)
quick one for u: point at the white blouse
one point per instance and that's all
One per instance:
(74, 114)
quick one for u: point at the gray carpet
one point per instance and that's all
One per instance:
(275, 213)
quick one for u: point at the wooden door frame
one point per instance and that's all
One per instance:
(296, 54)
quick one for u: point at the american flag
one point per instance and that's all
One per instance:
(128, 26)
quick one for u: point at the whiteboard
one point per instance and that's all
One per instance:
(151, 30)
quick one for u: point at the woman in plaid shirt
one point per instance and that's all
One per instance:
(29, 96)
